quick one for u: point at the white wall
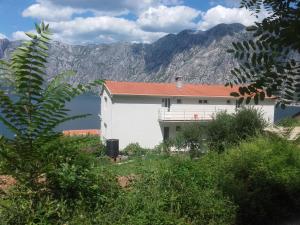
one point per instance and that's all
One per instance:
(106, 116)
(134, 119)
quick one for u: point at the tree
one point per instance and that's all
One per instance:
(31, 108)
(226, 130)
(269, 63)
(192, 136)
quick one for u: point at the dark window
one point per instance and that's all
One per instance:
(200, 101)
(228, 101)
(237, 104)
(205, 101)
(105, 99)
(166, 133)
(178, 128)
(179, 101)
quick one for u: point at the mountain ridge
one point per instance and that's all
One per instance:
(198, 56)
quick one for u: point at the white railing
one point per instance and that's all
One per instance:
(186, 115)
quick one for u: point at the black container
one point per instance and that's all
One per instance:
(112, 148)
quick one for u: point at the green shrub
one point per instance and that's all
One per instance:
(175, 192)
(226, 130)
(289, 122)
(262, 177)
(191, 137)
(248, 122)
(71, 181)
(220, 132)
(134, 149)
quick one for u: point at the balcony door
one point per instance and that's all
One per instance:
(166, 133)
(167, 103)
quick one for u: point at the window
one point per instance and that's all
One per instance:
(201, 101)
(179, 101)
(237, 104)
(178, 128)
(105, 125)
(105, 99)
(228, 101)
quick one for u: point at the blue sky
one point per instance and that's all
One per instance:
(105, 21)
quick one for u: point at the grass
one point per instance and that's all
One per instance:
(150, 162)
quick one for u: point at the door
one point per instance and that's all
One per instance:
(166, 133)
(167, 103)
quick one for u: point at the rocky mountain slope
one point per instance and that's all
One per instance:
(199, 56)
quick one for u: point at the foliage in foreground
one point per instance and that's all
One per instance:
(269, 61)
(31, 108)
(73, 184)
(257, 182)
(262, 177)
(225, 130)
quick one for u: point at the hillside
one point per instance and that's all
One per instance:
(199, 56)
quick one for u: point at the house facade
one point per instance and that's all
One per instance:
(149, 113)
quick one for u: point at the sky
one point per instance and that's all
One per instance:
(108, 21)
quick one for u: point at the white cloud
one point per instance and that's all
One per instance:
(20, 35)
(113, 6)
(221, 14)
(47, 11)
(168, 19)
(2, 36)
(93, 29)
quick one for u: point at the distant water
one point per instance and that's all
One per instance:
(84, 104)
(91, 104)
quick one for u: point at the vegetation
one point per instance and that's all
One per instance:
(243, 178)
(269, 62)
(134, 149)
(289, 122)
(191, 137)
(224, 131)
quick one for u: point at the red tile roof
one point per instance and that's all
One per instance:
(168, 89)
(81, 132)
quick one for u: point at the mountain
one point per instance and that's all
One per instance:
(199, 56)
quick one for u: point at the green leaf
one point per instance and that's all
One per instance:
(234, 94)
(37, 28)
(31, 35)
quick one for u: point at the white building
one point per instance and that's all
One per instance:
(148, 113)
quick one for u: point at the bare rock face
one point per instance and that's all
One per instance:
(199, 56)
(3, 45)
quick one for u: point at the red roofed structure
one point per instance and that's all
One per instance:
(150, 113)
(93, 132)
(168, 89)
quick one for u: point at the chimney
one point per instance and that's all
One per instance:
(179, 81)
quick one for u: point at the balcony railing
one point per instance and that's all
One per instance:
(186, 115)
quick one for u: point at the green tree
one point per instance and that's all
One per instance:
(226, 130)
(31, 108)
(269, 62)
(191, 136)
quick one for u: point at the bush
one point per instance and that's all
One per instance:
(289, 122)
(262, 177)
(220, 133)
(71, 181)
(134, 149)
(226, 130)
(192, 137)
(248, 122)
(174, 192)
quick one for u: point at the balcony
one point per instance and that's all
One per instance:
(186, 115)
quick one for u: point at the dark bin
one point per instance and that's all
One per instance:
(112, 148)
